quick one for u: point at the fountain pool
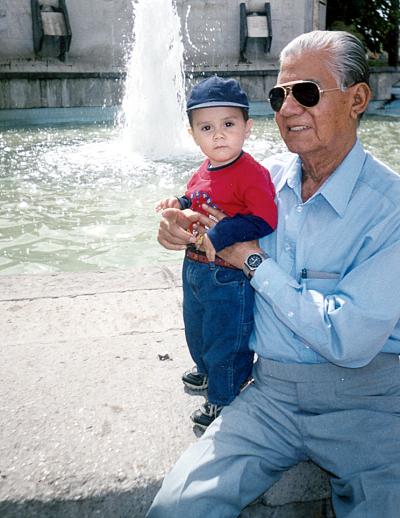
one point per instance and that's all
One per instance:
(74, 198)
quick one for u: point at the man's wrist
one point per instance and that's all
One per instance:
(252, 262)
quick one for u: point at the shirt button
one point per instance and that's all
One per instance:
(299, 208)
(288, 247)
(290, 314)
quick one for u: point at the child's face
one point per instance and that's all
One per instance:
(220, 132)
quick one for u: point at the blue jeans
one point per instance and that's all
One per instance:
(218, 315)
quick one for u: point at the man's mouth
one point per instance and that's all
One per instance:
(299, 128)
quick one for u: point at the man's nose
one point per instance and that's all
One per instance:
(290, 105)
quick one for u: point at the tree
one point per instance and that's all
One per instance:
(375, 21)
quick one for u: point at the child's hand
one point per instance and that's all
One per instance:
(168, 203)
(208, 247)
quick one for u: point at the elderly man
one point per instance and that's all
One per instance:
(327, 333)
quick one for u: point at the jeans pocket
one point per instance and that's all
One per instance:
(224, 276)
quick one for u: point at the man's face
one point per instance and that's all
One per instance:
(322, 131)
(220, 132)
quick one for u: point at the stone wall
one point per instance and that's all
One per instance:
(382, 80)
(210, 29)
(100, 30)
(15, 29)
(94, 70)
(59, 90)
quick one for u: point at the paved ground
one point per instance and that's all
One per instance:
(93, 412)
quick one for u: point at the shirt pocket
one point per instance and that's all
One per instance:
(323, 282)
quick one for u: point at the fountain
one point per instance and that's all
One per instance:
(76, 198)
(154, 103)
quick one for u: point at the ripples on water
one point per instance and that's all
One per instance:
(74, 199)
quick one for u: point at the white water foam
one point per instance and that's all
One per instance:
(155, 123)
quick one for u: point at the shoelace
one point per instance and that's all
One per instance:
(211, 410)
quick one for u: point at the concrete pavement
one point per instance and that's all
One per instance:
(93, 412)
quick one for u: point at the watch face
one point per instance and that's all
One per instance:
(254, 261)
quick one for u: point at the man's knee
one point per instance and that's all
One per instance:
(161, 507)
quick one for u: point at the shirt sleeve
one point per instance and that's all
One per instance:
(236, 229)
(258, 194)
(349, 326)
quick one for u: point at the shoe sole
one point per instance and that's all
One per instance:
(198, 425)
(195, 387)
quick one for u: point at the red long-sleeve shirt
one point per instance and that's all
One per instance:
(244, 191)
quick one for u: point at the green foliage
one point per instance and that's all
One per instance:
(376, 22)
(340, 25)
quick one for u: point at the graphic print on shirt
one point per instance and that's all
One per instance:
(198, 198)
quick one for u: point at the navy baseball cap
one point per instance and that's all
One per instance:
(215, 91)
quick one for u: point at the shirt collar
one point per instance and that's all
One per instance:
(338, 187)
(218, 168)
(291, 174)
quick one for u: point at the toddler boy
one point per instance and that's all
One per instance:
(217, 297)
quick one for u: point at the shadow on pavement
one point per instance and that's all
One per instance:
(132, 504)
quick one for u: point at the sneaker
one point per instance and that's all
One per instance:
(206, 414)
(194, 380)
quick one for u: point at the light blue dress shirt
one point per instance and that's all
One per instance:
(331, 290)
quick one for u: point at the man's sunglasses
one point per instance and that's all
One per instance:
(306, 93)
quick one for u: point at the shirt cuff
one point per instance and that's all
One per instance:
(270, 278)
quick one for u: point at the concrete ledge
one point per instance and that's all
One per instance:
(382, 80)
(303, 483)
(29, 85)
(93, 411)
(22, 118)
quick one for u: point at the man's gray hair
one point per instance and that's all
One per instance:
(347, 57)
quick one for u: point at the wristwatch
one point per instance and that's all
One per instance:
(252, 262)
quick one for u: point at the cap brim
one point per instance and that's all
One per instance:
(215, 104)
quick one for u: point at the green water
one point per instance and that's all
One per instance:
(75, 199)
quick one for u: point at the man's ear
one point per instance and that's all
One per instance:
(361, 97)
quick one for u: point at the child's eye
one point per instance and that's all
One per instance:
(205, 128)
(229, 124)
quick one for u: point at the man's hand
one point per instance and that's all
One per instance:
(237, 253)
(208, 248)
(173, 232)
(168, 203)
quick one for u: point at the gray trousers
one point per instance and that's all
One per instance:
(345, 420)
